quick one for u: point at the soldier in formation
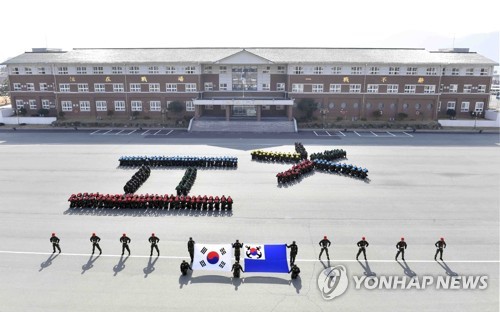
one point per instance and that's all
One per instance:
(335, 154)
(299, 148)
(295, 172)
(275, 156)
(187, 181)
(137, 180)
(179, 161)
(346, 169)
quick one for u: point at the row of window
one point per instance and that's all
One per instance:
(119, 106)
(464, 106)
(296, 87)
(280, 69)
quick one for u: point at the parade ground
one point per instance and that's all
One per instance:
(422, 186)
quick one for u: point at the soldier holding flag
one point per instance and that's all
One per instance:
(237, 246)
(294, 249)
(191, 248)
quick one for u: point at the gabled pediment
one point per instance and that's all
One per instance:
(243, 57)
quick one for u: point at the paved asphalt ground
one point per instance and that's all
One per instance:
(422, 187)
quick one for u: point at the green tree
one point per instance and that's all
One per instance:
(307, 106)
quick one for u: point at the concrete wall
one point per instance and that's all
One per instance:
(492, 119)
(7, 112)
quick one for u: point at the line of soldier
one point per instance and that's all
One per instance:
(187, 181)
(330, 155)
(346, 169)
(179, 161)
(275, 156)
(295, 172)
(134, 201)
(299, 148)
(137, 180)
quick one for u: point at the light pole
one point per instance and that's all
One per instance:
(474, 114)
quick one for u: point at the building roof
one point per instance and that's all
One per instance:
(275, 55)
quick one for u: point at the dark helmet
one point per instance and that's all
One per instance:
(53, 234)
(363, 238)
(402, 238)
(442, 239)
(152, 234)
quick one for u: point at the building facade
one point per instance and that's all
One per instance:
(255, 83)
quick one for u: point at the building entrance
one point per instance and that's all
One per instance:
(244, 111)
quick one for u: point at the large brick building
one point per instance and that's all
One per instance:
(255, 83)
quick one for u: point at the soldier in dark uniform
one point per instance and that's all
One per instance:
(362, 244)
(95, 243)
(125, 241)
(154, 244)
(236, 269)
(294, 249)
(185, 267)
(324, 243)
(191, 248)
(55, 243)
(237, 246)
(440, 244)
(295, 271)
(401, 246)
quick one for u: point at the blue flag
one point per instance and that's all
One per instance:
(269, 258)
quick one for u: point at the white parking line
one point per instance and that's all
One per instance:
(411, 136)
(357, 133)
(95, 132)
(169, 132)
(157, 132)
(374, 133)
(119, 132)
(107, 132)
(327, 134)
(180, 257)
(391, 133)
(131, 132)
(341, 133)
(145, 132)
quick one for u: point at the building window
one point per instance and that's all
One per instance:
(16, 86)
(153, 70)
(190, 87)
(317, 70)
(43, 86)
(392, 88)
(266, 87)
(372, 88)
(30, 87)
(207, 70)
(19, 104)
(405, 106)
(84, 106)
(381, 106)
(117, 70)
(479, 107)
(335, 88)
(481, 89)
(190, 69)
(98, 70)
(281, 69)
(455, 71)
(32, 104)
(317, 88)
(266, 107)
(81, 70)
(354, 88)
(467, 88)
(410, 88)
(171, 87)
(99, 87)
(67, 106)
(64, 87)
(298, 70)
(223, 86)
(453, 88)
(483, 72)
(374, 70)
(41, 70)
(118, 87)
(280, 86)
(62, 70)
(155, 106)
(208, 86)
(450, 105)
(297, 87)
(464, 107)
(431, 71)
(15, 71)
(336, 70)
(280, 107)
(83, 87)
(119, 106)
(135, 87)
(429, 89)
(393, 70)
(134, 70)
(137, 106)
(28, 71)
(411, 71)
(368, 105)
(266, 70)
(154, 87)
(469, 72)
(101, 106)
(189, 106)
(45, 104)
(222, 69)
(357, 70)
(170, 70)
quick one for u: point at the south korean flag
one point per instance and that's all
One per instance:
(214, 257)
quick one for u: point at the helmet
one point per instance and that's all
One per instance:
(93, 234)
(363, 238)
(152, 234)
(124, 234)
(53, 234)
(442, 238)
(402, 238)
(325, 237)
